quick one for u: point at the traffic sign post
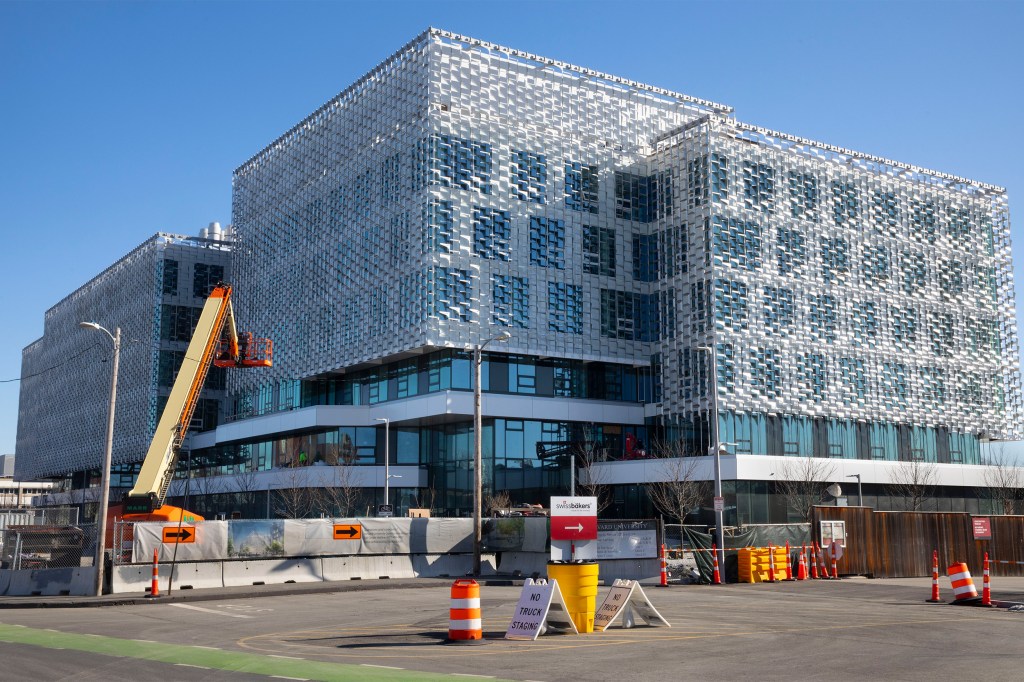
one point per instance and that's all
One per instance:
(573, 518)
(182, 534)
(348, 531)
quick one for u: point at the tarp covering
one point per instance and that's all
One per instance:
(747, 536)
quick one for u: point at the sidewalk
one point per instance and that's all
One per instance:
(242, 592)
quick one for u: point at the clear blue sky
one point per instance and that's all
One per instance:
(121, 119)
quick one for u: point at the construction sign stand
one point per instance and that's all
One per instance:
(625, 599)
(540, 607)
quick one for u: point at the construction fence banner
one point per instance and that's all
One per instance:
(274, 538)
(747, 536)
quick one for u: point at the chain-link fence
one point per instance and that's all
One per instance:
(47, 546)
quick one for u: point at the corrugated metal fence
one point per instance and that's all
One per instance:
(900, 544)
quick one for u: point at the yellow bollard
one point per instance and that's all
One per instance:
(578, 585)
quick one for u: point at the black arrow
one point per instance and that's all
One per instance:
(183, 534)
(348, 530)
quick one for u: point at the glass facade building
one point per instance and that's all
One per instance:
(625, 236)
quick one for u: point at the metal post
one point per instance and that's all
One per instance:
(478, 457)
(860, 491)
(387, 456)
(716, 448)
(101, 514)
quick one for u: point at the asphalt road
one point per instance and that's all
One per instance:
(851, 629)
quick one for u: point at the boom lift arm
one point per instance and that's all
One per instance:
(215, 341)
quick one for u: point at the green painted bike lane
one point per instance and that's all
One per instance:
(218, 659)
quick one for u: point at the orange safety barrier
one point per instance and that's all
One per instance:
(664, 568)
(464, 621)
(154, 589)
(935, 578)
(963, 585)
(986, 592)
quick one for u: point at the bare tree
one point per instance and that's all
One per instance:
(681, 491)
(1004, 481)
(497, 501)
(591, 479)
(912, 484)
(293, 501)
(802, 482)
(342, 496)
(246, 486)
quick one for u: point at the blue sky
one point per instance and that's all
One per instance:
(122, 119)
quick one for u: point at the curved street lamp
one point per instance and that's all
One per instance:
(478, 481)
(101, 514)
(716, 449)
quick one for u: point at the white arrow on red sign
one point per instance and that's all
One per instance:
(573, 518)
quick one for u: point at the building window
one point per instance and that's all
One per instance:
(738, 243)
(565, 308)
(643, 198)
(876, 264)
(178, 322)
(894, 378)
(803, 196)
(940, 333)
(390, 178)
(835, 259)
(599, 250)
(885, 209)
(450, 294)
(731, 303)
(511, 306)
(529, 176)
(697, 190)
(581, 187)
(492, 231)
(823, 315)
(719, 178)
(924, 220)
(952, 279)
(812, 369)
(903, 324)
(439, 218)
(790, 251)
(778, 308)
(645, 257)
(914, 272)
(205, 278)
(619, 314)
(845, 202)
(766, 372)
(759, 186)
(170, 277)
(855, 379)
(547, 242)
(451, 161)
(865, 324)
(959, 224)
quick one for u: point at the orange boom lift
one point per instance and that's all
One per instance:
(215, 341)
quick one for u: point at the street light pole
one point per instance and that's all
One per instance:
(860, 491)
(101, 514)
(387, 457)
(716, 446)
(478, 457)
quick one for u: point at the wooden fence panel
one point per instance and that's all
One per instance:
(900, 544)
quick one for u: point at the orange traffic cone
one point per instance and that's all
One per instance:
(716, 578)
(789, 564)
(935, 578)
(814, 561)
(986, 592)
(801, 570)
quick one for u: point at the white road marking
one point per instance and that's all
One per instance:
(189, 665)
(200, 608)
(386, 667)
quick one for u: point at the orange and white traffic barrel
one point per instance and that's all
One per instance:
(963, 585)
(464, 621)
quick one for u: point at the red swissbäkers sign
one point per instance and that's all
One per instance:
(573, 518)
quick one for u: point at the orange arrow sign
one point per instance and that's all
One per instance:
(176, 534)
(353, 531)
